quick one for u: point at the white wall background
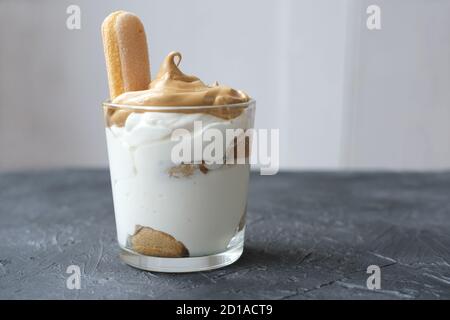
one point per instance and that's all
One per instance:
(342, 96)
(397, 107)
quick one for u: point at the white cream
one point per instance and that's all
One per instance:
(202, 211)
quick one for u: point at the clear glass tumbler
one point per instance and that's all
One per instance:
(179, 180)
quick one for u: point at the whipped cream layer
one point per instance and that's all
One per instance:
(202, 210)
(148, 127)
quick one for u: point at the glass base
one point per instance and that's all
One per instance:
(179, 265)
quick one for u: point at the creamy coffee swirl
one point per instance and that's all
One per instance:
(171, 87)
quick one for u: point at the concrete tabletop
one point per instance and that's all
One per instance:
(309, 235)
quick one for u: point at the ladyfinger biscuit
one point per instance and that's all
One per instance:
(126, 55)
(151, 242)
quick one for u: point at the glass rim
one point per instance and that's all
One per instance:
(109, 104)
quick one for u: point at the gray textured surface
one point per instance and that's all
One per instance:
(309, 235)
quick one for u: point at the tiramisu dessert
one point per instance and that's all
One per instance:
(173, 216)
